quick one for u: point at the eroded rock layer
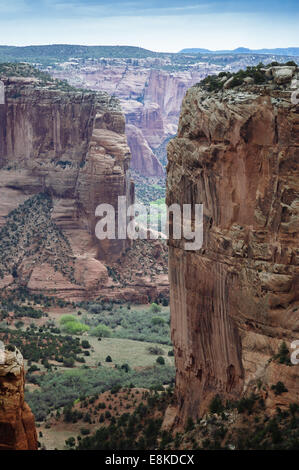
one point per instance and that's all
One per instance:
(71, 146)
(17, 426)
(234, 301)
(150, 98)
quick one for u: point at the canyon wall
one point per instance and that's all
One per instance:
(234, 301)
(17, 426)
(150, 98)
(71, 146)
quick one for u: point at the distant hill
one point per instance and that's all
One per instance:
(57, 53)
(243, 50)
(62, 52)
(49, 55)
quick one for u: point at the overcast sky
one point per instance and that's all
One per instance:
(160, 25)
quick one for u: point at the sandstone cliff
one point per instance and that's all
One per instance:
(235, 300)
(150, 98)
(71, 146)
(17, 427)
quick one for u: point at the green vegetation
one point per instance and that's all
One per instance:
(155, 350)
(23, 296)
(149, 189)
(129, 323)
(70, 325)
(62, 52)
(279, 388)
(155, 308)
(140, 430)
(257, 73)
(101, 331)
(160, 360)
(30, 233)
(19, 311)
(283, 356)
(216, 405)
(40, 344)
(60, 389)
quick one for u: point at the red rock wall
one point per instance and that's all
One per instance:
(40, 128)
(151, 99)
(234, 301)
(17, 426)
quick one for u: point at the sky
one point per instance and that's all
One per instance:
(159, 25)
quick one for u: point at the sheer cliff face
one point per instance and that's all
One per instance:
(73, 146)
(234, 301)
(17, 426)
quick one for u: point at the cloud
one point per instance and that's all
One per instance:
(157, 25)
(114, 8)
(218, 31)
(15, 7)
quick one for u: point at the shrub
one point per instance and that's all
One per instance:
(101, 331)
(57, 389)
(70, 442)
(160, 360)
(155, 308)
(115, 389)
(68, 361)
(85, 344)
(246, 404)
(279, 388)
(216, 405)
(155, 350)
(190, 424)
(294, 408)
(108, 359)
(84, 431)
(72, 326)
(66, 319)
(283, 355)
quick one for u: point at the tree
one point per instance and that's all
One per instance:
(216, 405)
(70, 442)
(283, 355)
(126, 367)
(101, 331)
(155, 308)
(160, 360)
(68, 361)
(189, 424)
(279, 388)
